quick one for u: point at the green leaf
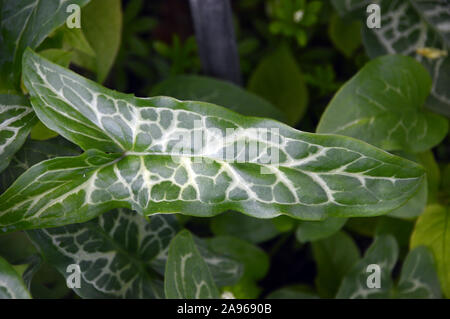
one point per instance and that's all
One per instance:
(187, 274)
(225, 270)
(205, 89)
(11, 284)
(383, 252)
(58, 56)
(383, 105)
(345, 34)
(116, 253)
(315, 230)
(26, 24)
(334, 257)
(253, 258)
(399, 228)
(244, 227)
(315, 176)
(102, 27)
(34, 263)
(279, 80)
(420, 24)
(433, 231)
(33, 152)
(351, 8)
(293, 292)
(418, 279)
(16, 120)
(40, 132)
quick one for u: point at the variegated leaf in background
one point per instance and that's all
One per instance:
(383, 104)
(411, 27)
(12, 285)
(26, 23)
(418, 277)
(314, 176)
(122, 255)
(16, 120)
(187, 274)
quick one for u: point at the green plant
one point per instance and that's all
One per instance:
(114, 185)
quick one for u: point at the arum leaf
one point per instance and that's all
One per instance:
(225, 271)
(187, 274)
(33, 152)
(26, 24)
(315, 230)
(34, 264)
(115, 253)
(102, 27)
(418, 278)
(16, 120)
(345, 34)
(394, 119)
(58, 56)
(383, 252)
(254, 259)
(433, 231)
(314, 176)
(334, 257)
(420, 24)
(279, 80)
(205, 89)
(11, 284)
(41, 133)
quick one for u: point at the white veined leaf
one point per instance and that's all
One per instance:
(16, 120)
(187, 274)
(12, 285)
(315, 176)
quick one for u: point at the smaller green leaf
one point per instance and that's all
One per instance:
(12, 285)
(383, 252)
(345, 34)
(383, 105)
(253, 258)
(102, 27)
(16, 120)
(432, 230)
(334, 257)
(187, 275)
(418, 279)
(279, 80)
(205, 89)
(315, 230)
(244, 227)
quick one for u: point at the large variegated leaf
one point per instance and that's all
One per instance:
(407, 27)
(26, 23)
(313, 176)
(383, 105)
(33, 152)
(114, 252)
(16, 120)
(11, 284)
(187, 274)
